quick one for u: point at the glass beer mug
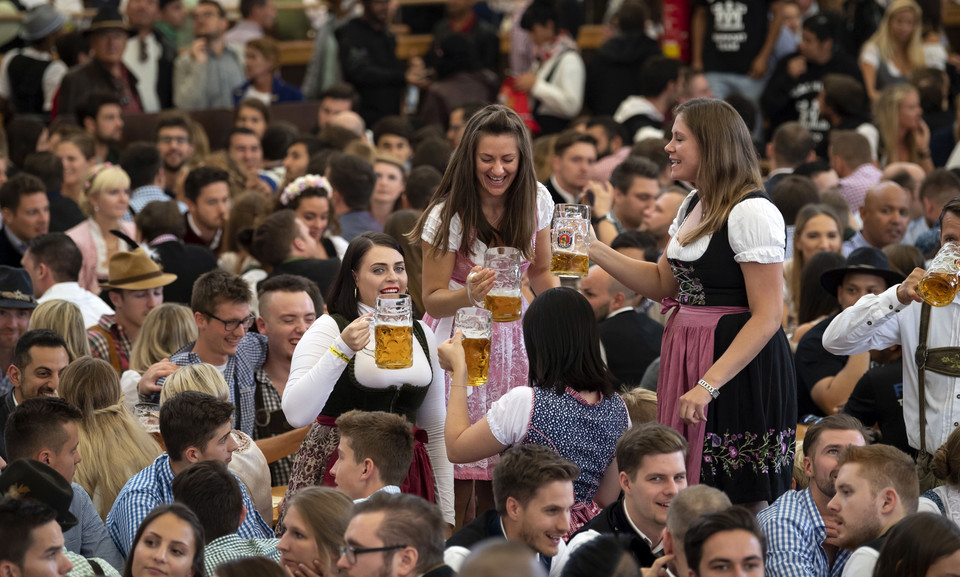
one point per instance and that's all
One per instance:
(393, 332)
(570, 240)
(503, 300)
(477, 327)
(939, 285)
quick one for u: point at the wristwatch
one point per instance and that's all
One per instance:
(714, 392)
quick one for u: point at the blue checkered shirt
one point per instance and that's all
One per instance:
(143, 196)
(232, 547)
(153, 486)
(795, 531)
(239, 374)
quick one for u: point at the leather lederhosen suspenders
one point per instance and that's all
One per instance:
(941, 360)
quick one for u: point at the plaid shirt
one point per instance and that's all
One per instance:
(795, 531)
(100, 346)
(250, 356)
(854, 187)
(232, 547)
(154, 486)
(143, 196)
(82, 567)
(279, 470)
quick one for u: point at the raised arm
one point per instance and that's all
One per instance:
(652, 280)
(441, 301)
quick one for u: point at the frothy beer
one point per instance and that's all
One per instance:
(569, 264)
(394, 346)
(503, 304)
(477, 352)
(938, 288)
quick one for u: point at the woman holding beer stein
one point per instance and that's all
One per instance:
(334, 371)
(570, 404)
(488, 197)
(726, 373)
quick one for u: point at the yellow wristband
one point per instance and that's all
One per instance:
(337, 352)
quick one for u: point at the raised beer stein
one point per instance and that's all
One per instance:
(939, 285)
(393, 332)
(570, 240)
(477, 327)
(503, 300)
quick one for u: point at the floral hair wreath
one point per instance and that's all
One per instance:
(296, 188)
(94, 172)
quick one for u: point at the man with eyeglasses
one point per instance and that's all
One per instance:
(221, 309)
(175, 145)
(136, 286)
(394, 535)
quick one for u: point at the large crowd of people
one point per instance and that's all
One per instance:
(196, 327)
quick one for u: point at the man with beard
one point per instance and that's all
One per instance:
(40, 357)
(208, 206)
(205, 75)
(533, 492)
(101, 116)
(175, 144)
(801, 531)
(288, 307)
(877, 486)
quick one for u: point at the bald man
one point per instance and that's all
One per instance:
(351, 121)
(885, 214)
(910, 176)
(630, 339)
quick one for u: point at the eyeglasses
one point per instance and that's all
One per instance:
(173, 139)
(232, 325)
(351, 552)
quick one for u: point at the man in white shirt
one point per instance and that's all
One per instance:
(374, 454)
(24, 70)
(876, 487)
(150, 55)
(893, 317)
(53, 262)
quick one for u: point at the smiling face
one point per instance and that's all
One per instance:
(41, 376)
(315, 213)
(285, 317)
(111, 203)
(173, 143)
(684, 152)
(216, 337)
(389, 185)
(545, 518)
(820, 234)
(75, 165)
(245, 149)
(381, 271)
(166, 549)
(856, 507)
(497, 161)
(651, 490)
(298, 545)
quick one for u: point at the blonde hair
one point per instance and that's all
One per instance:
(166, 330)
(64, 318)
(641, 405)
(362, 150)
(804, 216)
(728, 171)
(887, 118)
(886, 50)
(100, 178)
(202, 377)
(113, 445)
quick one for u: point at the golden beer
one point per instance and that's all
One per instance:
(938, 288)
(505, 306)
(394, 346)
(477, 353)
(569, 264)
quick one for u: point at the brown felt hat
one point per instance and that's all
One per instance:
(135, 270)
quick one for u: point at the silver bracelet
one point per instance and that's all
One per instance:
(469, 295)
(714, 392)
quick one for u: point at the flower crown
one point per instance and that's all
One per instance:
(92, 175)
(296, 188)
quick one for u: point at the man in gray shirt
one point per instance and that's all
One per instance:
(206, 74)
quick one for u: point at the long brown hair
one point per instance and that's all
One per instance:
(457, 193)
(728, 170)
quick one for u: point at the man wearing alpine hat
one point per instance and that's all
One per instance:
(136, 286)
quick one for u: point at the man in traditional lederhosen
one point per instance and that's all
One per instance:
(930, 338)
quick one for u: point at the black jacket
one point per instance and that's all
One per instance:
(369, 61)
(613, 520)
(86, 79)
(188, 262)
(614, 72)
(320, 271)
(7, 405)
(632, 341)
(9, 255)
